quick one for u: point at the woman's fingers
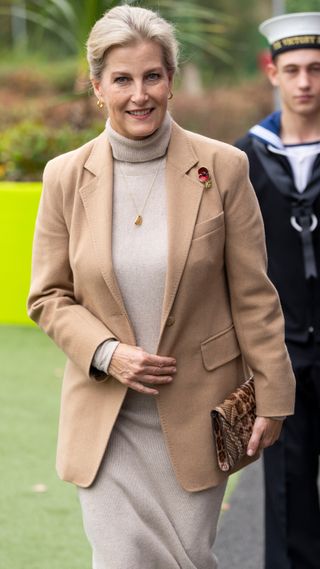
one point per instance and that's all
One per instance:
(134, 367)
(157, 362)
(136, 386)
(155, 372)
(157, 380)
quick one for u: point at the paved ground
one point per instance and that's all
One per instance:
(239, 543)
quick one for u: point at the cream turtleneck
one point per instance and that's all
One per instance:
(139, 253)
(137, 151)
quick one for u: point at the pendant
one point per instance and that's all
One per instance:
(138, 220)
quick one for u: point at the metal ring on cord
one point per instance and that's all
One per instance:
(297, 226)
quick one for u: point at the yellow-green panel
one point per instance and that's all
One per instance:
(18, 208)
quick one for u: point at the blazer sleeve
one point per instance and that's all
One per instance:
(255, 304)
(51, 302)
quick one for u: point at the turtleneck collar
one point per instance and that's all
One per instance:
(150, 148)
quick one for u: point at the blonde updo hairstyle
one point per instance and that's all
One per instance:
(124, 25)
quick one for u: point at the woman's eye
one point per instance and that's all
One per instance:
(121, 80)
(153, 76)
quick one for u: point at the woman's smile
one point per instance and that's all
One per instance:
(140, 114)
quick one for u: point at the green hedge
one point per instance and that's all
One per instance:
(26, 147)
(18, 209)
(24, 150)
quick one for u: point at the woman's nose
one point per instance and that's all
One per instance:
(139, 94)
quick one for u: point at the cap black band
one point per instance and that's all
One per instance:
(295, 42)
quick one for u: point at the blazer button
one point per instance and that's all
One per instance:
(170, 321)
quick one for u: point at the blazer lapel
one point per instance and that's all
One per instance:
(184, 195)
(97, 200)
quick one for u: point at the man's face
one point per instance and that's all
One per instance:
(297, 74)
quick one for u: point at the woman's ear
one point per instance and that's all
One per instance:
(273, 74)
(170, 77)
(96, 88)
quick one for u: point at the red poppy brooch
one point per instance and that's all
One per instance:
(204, 177)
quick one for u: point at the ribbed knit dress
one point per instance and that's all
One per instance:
(135, 514)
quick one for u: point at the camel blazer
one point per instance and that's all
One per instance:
(219, 307)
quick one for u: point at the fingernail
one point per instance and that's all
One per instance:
(250, 452)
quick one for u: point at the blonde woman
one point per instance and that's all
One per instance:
(150, 274)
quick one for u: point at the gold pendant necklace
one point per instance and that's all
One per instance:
(139, 219)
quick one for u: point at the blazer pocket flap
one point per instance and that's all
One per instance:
(220, 349)
(208, 225)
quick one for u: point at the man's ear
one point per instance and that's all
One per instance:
(273, 74)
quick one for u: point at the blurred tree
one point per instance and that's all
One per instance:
(302, 5)
(69, 20)
(5, 23)
(202, 32)
(243, 36)
(198, 28)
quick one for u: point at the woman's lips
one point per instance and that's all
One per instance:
(140, 114)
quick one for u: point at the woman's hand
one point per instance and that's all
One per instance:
(134, 367)
(266, 431)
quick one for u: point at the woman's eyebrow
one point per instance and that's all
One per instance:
(125, 72)
(120, 72)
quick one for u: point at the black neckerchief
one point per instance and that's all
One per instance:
(303, 217)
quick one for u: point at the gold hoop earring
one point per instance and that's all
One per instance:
(100, 104)
(170, 95)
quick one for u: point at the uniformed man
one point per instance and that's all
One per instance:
(284, 155)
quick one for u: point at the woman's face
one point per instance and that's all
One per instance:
(134, 87)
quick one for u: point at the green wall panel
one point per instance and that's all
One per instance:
(18, 208)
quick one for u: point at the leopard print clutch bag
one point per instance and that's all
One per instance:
(232, 423)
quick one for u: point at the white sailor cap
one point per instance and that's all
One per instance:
(299, 30)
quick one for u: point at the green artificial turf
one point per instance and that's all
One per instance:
(38, 530)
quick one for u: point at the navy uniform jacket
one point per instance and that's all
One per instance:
(300, 297)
